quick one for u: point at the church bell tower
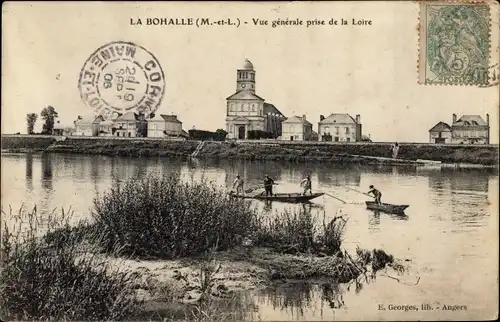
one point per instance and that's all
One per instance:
(245, 79)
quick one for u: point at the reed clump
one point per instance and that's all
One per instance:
(57, 278)
(164, 217)
(299, 231)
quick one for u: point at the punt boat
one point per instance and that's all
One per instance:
(386, 207)
(293, 197)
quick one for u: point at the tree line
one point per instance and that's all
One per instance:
(48, 114)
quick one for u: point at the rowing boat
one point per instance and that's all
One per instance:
(385, 207)
(282, 197)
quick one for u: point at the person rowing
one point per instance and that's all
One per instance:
(376, 193)
(306, 183)
(238, 185)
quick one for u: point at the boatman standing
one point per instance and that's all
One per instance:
(238, 185)
(376, 193)
(306, 183)
(268, 185)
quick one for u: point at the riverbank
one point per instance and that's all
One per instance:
(265, 150)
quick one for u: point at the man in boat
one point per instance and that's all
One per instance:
(376, 193)
(268, 185)
(238, 185)
(306, 183)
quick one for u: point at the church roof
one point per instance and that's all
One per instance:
(470, 120)
(248, 65)
(440, 127)
(244, 95)
(270, 108)
(342, 118)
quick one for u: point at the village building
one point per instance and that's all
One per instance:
(246, 111)
(440, 133)
(297, 128)
(130, 124)
(165, 126)
(340, 127)
(86, 126)
(469, 129)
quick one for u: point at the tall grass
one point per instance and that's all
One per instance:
(55, 276)
(165, 217)
(300, 231)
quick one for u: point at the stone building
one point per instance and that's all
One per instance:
(340, 127)
(246, 111)
(440, 133)
(297, 128)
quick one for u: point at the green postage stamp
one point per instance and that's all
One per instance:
(454, 43)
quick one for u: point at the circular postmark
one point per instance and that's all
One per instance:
(121, 77)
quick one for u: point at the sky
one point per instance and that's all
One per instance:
(371, 70)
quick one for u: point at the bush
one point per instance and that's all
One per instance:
(167, 218)
(56, 278)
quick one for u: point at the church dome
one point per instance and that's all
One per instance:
(247, 65)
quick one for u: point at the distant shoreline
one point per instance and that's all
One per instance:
(426, 154)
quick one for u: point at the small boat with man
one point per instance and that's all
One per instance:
(268, 195)
(293, 197)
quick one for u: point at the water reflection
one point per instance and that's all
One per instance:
(303, 300)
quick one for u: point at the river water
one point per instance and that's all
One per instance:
(449, 236)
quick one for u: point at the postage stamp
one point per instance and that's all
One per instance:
(454, 43)
(120, 77)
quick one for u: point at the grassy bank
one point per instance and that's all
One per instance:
(259, 150)
(157, 248)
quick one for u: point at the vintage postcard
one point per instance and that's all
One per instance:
(250, 161)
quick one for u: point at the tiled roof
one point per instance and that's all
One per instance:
(129, 116)
(342, 118)
(440, 127)
(471, 120)
(297, 119)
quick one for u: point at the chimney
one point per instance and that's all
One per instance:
(454, 118)
(321, 118)
(304, 117)
(358, 118)
(488, 119)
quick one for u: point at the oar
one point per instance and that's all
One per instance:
(360, 192)
(326, 193)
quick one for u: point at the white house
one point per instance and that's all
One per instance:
(297, 128)
(440, 133)
(162, 125)
(340, 127)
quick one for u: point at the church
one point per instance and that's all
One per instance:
(248, 116)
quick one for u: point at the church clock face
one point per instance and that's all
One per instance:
(243, 85)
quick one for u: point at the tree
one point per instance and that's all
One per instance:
(220, 135)
(49, 114)
(31, 119)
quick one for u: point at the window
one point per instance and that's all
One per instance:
(241, 107)
(348, 139)
(253, 107)
(346, 130)
(337, 130)
(336, 139)
(327, 130)
(154, 126)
